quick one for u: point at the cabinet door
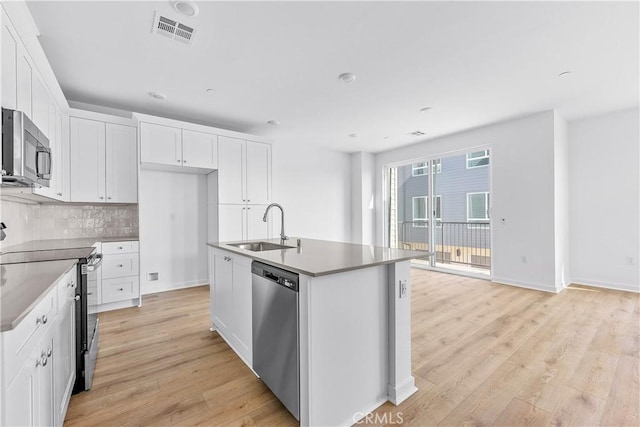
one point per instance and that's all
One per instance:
(87, 160)
(242, 330)
(9, 65)
(258, 167)
(121, 164)
(231, 222)
(64, 360)
(256, 228)
(40, 106)
(45, 380)
(223, 291)
(160, 144)
(20, 397)
(54, 143)
(231, 183)
(199, 149)
(61, 159)
(24, 83)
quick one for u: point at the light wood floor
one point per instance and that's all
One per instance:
(483, 354)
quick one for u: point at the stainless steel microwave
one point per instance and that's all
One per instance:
(26, 156)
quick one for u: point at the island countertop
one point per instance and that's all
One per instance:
(320, 257)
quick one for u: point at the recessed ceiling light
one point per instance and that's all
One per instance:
(425, 109)
(347, 77)
(210, 91)
(564, 73)
(353, 135)
(273, 122)
(187, 8)
(157, 95)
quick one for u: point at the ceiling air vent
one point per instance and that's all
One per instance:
(173, 29)
(416, 133)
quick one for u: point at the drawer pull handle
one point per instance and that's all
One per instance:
(43, 319)
(120, 265)
(77, 297)
(49, 353)
(119, 247)
(42, 361)
(120, 289)
(71, 285)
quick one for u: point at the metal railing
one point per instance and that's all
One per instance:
(467, 243)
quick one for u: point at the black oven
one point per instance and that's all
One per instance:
(87, 323)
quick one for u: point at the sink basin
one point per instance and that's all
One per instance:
(259, 246)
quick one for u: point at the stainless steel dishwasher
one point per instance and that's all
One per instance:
(276, 354)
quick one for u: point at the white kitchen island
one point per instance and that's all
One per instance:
(354, 321)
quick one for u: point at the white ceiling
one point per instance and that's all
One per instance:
(474, 63)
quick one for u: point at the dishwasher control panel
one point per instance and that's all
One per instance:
(285, 278)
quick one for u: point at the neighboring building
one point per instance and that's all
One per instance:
(461, 207)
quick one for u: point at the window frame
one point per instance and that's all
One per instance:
(487, 208)
(424, 167)
(413, 211)
(487, 155)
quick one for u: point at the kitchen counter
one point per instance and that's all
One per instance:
(320, 257)
(48, 255)
(57, 244)
(23, 286)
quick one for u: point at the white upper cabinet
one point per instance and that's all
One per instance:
(230, 170)
(40, 105)
(103, 162)
(199, 149)
(23, 84)
(258, 174)
(87, 141)
(172, 146)
(160, 144)
(244, 171)
(121, 165)
(9, 66)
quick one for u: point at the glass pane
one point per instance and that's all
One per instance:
(477, 206)
(419, 208)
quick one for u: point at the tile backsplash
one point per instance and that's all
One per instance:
(26, 222)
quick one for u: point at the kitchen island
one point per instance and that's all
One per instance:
(353, 316)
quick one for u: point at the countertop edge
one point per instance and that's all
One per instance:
(4, 327)
(255, 256)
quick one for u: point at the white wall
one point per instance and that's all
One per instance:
(522, 176)
(362, 197)
(313, 187)
(604, 200)
(561, 201)
(173, 229)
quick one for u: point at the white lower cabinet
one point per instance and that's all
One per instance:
(119, 275)
(37, 391)
(231, 301)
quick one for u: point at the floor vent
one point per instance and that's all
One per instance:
(173, 29)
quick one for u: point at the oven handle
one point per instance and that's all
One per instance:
(96, 260)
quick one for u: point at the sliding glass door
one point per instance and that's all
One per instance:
(442, 205)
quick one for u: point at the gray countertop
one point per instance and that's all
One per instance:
(56, 244)
(321, 257)
(22, 287)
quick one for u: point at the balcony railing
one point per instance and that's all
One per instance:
(467, 243)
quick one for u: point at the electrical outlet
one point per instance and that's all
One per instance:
(403, 288)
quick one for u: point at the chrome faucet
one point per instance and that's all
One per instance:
(283, 236)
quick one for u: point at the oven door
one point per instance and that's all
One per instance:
(93, 323)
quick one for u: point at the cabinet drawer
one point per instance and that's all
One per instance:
(119, 289)
(120, 247)
(19, 342)
(119, 266)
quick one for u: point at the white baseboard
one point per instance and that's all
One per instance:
(118, 305)
(606, 285)
(357, 417)
(528, 285)
(402, 391)
(149, 288)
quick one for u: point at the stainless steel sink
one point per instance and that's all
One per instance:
(259, 246)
